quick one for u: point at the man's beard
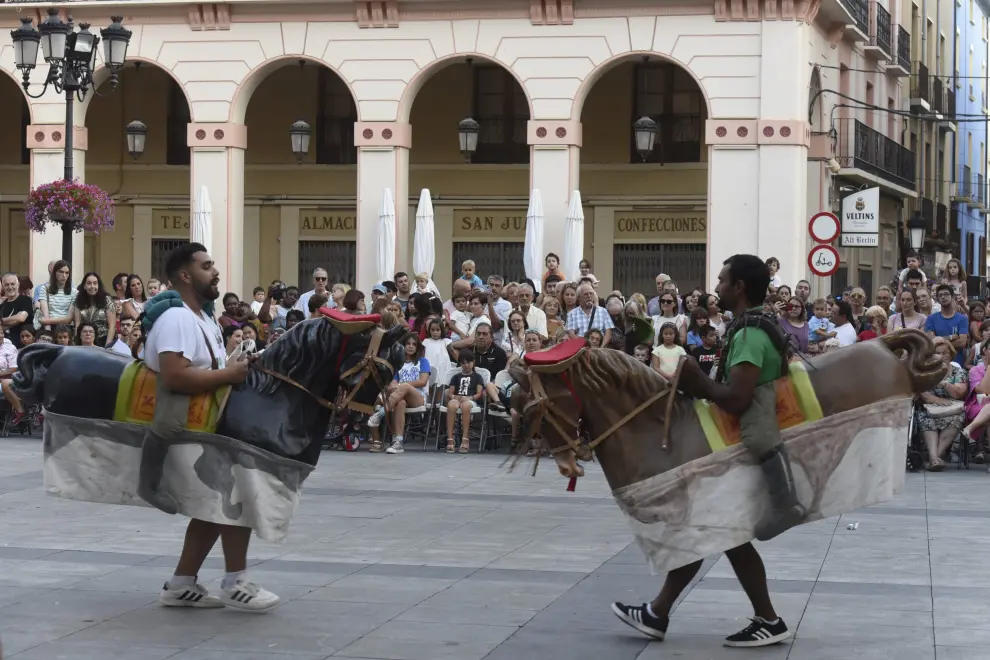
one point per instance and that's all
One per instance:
(208, 290)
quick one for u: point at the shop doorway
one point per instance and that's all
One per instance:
(635, 266)
(505, 259)
(160, 249)
(338, 258)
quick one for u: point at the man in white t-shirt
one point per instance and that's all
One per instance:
(845, 332)
(536, 318)
(320, 282)
(122, 345)
(185, 346)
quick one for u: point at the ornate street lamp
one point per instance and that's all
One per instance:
(467, 133)
(916, 231)
(645, 131)
(71, 59)
(299, 134)
(137, 133)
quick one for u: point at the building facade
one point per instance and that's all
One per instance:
(751, 99)
(970, 199)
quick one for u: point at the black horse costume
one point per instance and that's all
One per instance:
(249, 470)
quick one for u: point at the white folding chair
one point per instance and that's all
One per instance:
(481, 410)
(502, 379)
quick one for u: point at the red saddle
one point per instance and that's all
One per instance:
(556, 354)
(345, 317)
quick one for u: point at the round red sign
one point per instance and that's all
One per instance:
(824, 227)
(823, 260)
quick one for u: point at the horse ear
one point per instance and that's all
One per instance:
(520, 374)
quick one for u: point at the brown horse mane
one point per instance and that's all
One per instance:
(608, 373)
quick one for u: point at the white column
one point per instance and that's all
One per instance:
(141, 240)
(733, 201)
(252, 249)
(555, 156)
(383, 162)
(288, 246)
(47, 142)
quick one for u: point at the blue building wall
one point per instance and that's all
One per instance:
(971, 64)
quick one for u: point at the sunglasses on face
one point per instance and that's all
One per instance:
(319, 279)
(666, 302)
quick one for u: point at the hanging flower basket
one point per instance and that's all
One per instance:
(69, 203)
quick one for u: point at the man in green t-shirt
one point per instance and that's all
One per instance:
(744, 388)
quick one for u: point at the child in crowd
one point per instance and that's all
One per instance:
(259, 298)
(63, 335)
(438, 350)
(467, 273)
(28, 336)
(955, 277)
(667, 355)
(423, 283)
(293, 317)
(820, 328)
(465, 390)
(594, 338)
(642, 353)
(707, 352)
(459, 321)
(316, 301)
(154, 287)
(774, 265)
(699, 321)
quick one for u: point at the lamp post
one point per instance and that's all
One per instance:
(645, 131)
(299, 134)
(137, 133)
(71, 59)
(467, 132)
(916, 231)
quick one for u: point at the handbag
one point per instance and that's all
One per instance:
(937, 410)
(37, 313)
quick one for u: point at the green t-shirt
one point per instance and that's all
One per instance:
(752, 345)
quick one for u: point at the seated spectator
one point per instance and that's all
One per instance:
(354, 302)
(488, 356)
(408, 389)
(45, 337)
(63, 335)
(908, 316)
(378, 292)
(513, 339)
(251, 334)
(8, 366)
(28, 336)
(941, 415)
(588, 315)
(977, 408)
(594, 337)
(86, 335)
(123, 342)
(465, 391)
(975, 353)
(707, 352)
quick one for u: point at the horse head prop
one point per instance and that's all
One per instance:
(580, 401)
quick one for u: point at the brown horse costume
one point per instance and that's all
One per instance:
(686, 500)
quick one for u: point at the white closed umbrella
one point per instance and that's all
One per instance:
(202, 228)
(573, 238)
(424, 244)
(386, 237)
(533, 249)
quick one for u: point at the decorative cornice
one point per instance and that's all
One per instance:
(209, 16)
(382, 134)
(735, 132)
(551, 12)
(52, 136)
(554, 133)
(377, 14)
(213, 136)
(783, 132)
(730, 132)
(802, 11)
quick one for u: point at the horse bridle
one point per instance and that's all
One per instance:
(547, 410)
(367, 365)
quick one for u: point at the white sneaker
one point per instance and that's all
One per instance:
(194, 596)
(249, 596)
(376, 418)
(396, 448)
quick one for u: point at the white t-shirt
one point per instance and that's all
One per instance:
(845, 334)
(120, 347)
(256, 306)
(303, 303)
(179, 330)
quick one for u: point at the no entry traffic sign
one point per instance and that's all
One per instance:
(823, 260)
(824, 227)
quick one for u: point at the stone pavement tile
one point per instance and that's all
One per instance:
(373, 613)
(294, 627)
(958, 574)
(220, 654)
(382, 648)
(52, 575)
(421, 631)
(160, 626)
(509, 595)
(960, 653)
(873, 589)
(10, 595)
(522, 575)
(902, 602)
(95, 557)
(380, 589)
(63, 651)
(15, 552)
(862, 648)
(613, 568)
(779, 566)
(707, 647)
(824, 526)
(138, 579)
(77, 607)
(967, 613)
(287, 566)
(876, 521)
(717, 626)
(856, 565)
(962, 637)
(407, 570)
(572, 644)
(492, 616)
(775, 586)
(830, 628)
(733, 604)
(852, 614)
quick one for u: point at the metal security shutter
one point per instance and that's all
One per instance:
(505, 259)
(635, 267)
(160, 249)
(338, 258)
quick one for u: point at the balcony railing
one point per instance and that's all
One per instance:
(860, 11)
(920, 83)
(964, 185)
(954, 232)
(864, 148)
(941, 218)
(880, 35)
(938, 95)
(980, 194)
(950, 99)
(903, 48)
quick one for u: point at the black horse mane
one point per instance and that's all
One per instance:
(299, 354)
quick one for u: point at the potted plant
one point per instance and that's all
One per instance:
(70, 205)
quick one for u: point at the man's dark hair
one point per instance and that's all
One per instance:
(116, 280)
(390, 285)
(295, 314)
(396, 277)
(944, 287)
(181, 257)
(914, 275)
(315, 302)
(844, 309)
(552, 279)
(753, 272)
(706, 330)
(257, 290)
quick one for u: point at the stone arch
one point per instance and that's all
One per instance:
(595, 75)
(414, 86)
(102, 74)
(246, 88)
(14, 78)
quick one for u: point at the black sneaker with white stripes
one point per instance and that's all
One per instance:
(759, 633)
(640, 618)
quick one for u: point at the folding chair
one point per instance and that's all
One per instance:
(497, 417)
(476, 410)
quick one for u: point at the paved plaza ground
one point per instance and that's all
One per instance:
(436, 557)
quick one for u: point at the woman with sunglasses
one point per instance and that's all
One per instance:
(668, 314)
(793, 322)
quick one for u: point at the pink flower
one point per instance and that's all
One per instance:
(81, 206)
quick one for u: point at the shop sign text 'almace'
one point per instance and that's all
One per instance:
(328, 223)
